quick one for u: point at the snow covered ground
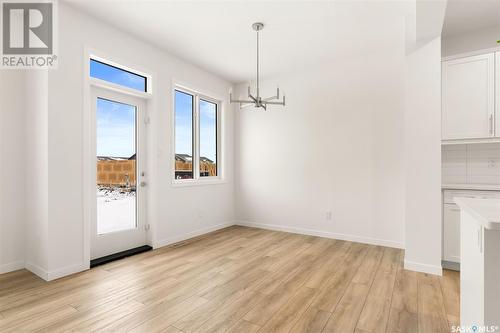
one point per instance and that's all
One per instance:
(116, 210)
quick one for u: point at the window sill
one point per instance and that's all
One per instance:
(198, 182)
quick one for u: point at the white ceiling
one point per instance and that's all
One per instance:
(468, 15)
(217, 35)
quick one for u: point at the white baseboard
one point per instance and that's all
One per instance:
(423, 268)
(68, 270)
(325, 234)
(57, 273)
(37, 270)
(196, 233)
(12, 266)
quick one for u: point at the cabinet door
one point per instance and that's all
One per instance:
(451, 233)
(471, 272)
(468, 97)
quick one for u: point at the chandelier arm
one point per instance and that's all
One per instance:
(242, 101)
(253, 98)
(270, 98)
(277, 96)
(246, 105)
(274, 102)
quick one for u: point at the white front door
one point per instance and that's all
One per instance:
(118, 216)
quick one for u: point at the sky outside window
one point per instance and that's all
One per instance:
(183, 123)
(208, 130)
(116, 75)
(115, 129)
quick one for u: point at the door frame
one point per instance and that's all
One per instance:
(88, 124)
(113, 238)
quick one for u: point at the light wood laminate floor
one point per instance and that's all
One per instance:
(238, 280)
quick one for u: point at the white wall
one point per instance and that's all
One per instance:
(337, 146)
(422, 151)
(12, 184)
(359, 137)
(36, 174)
(471, 41)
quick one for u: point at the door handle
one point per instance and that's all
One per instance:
(491, 124)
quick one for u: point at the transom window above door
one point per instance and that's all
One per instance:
(102, 70)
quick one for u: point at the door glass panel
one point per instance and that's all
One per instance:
(116, 166)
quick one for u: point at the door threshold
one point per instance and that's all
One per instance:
(119, 255)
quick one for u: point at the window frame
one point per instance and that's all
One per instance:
(217, 131)
(197, 178)
(193, 135)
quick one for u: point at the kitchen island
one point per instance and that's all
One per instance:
(480, 262)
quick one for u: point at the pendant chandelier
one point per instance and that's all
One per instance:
(257, 101)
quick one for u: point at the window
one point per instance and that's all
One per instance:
(208, 139)
(196, 136)
(116, 75)
(184, 107)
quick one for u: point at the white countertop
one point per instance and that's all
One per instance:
(485, 211)
(479, 187)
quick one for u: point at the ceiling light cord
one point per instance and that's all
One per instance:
(258, 90)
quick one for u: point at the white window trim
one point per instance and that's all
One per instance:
(119, 88)
(197, 180)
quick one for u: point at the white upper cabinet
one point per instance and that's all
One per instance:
(468, 97)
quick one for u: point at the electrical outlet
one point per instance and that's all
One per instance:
(328, 215)
(492, 163)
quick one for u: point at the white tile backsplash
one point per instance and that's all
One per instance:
(471, 164)
(454, 164)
